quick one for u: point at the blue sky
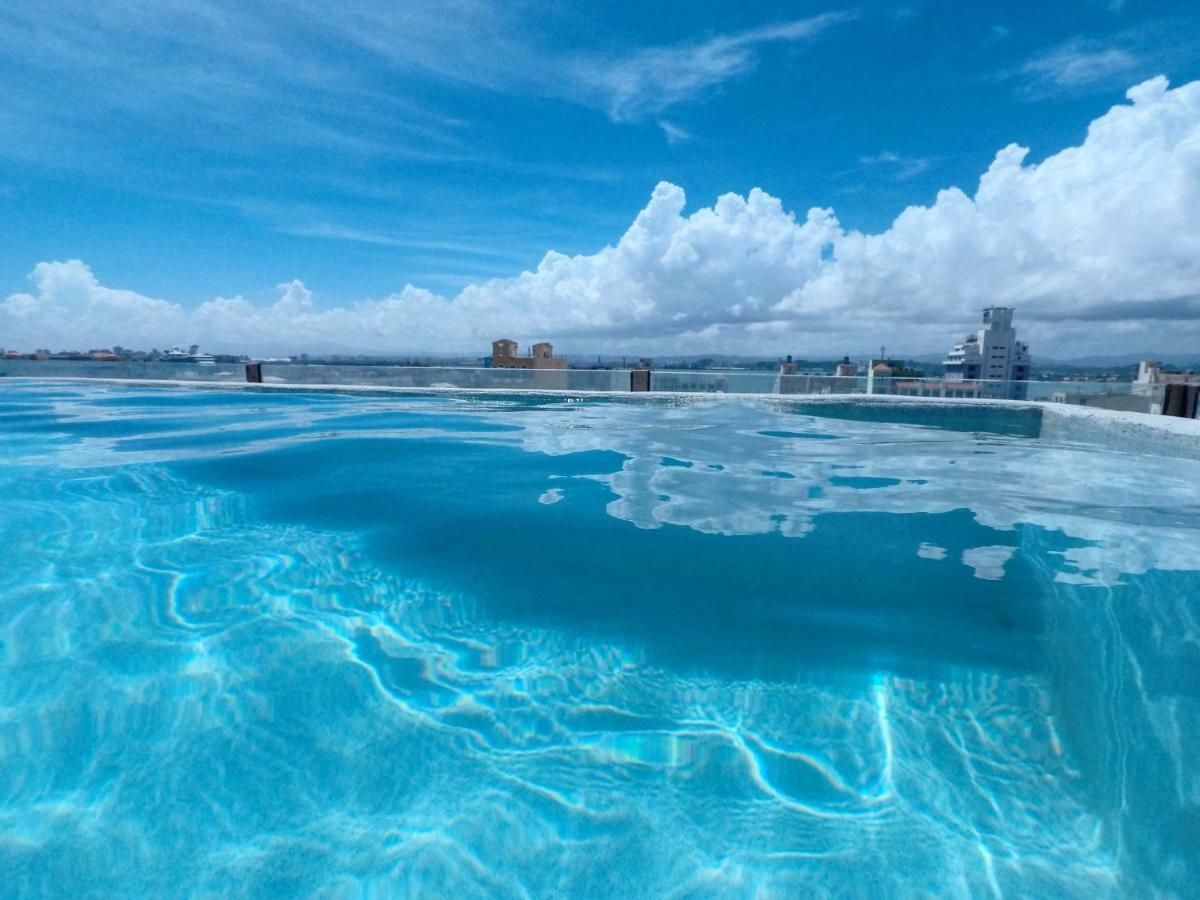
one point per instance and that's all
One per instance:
(208, 149)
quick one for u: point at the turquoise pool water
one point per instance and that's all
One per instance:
(299, 643)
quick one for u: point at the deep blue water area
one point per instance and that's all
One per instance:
(291, 643)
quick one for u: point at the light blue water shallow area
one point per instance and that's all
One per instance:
(276, 643)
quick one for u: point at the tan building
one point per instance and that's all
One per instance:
(541, 356)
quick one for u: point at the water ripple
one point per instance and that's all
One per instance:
(197, 696)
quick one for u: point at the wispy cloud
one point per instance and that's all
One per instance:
(1086, 65)
(1075, 65)
(675, 134)
(651, 80)
(218, 77)
(895, 166)
(333, 232)
(247, 81)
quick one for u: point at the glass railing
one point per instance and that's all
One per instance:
(744, 382)
(166, 371)
(1105, 394)
(313, 374)
(449, 377)
(1116, 395)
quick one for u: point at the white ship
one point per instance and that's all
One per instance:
(191, 355)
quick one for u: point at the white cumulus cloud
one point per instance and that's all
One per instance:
(1098, 247)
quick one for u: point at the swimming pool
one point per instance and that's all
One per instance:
(262, 643)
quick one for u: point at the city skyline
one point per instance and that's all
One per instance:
(720, 180)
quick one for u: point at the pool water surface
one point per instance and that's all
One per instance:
(280, 643)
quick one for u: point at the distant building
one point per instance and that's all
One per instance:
(932, 387)
(992, 353)
(1174, 393)
(789, 382)
(541, 356)
(892, 368)
(503, 349)
(1151, 372)
(845, 368)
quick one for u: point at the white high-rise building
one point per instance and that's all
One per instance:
(993, 352)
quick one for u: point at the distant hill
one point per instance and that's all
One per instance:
(1098, 361)
(1126, 359)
